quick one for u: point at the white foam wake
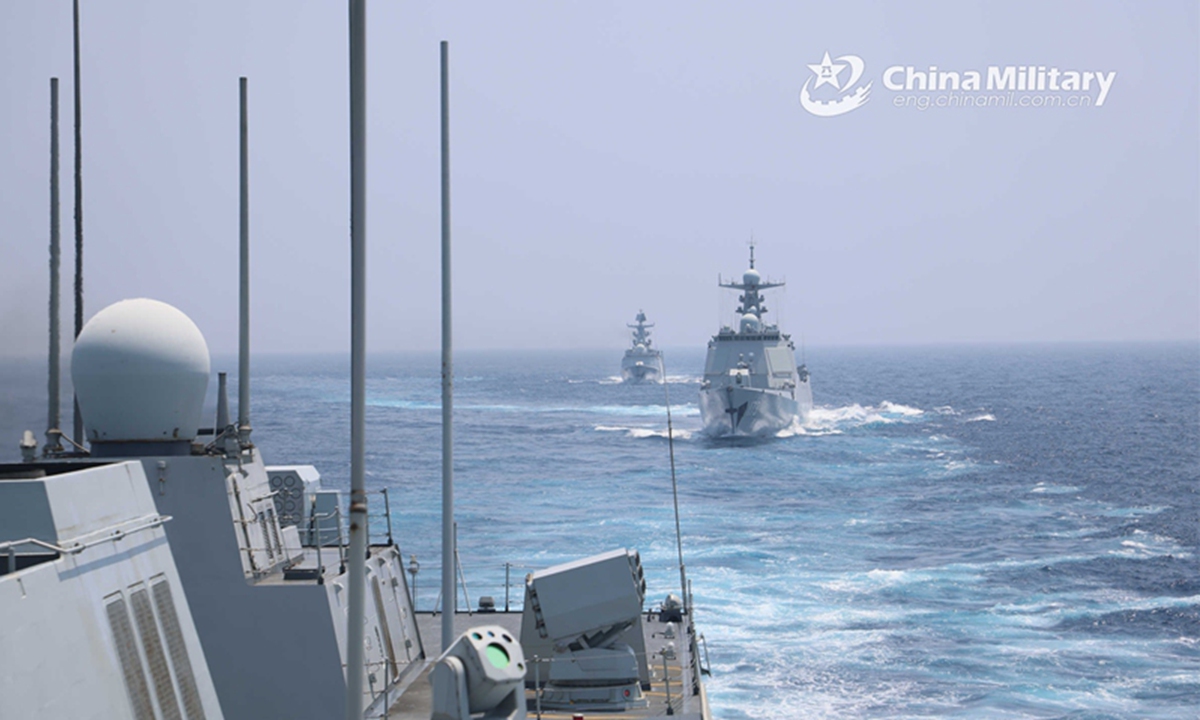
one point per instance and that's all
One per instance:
(644, 432)
(823, 420)
(985, 417)
(618, 380)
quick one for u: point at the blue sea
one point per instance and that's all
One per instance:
(976, 532)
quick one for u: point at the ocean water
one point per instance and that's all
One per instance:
(982, 532)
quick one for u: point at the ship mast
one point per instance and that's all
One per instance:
(54, 410)
(449, 551)
(751, 286)
(356, 586)
(243, 428)
(77, 430)
(640, 334)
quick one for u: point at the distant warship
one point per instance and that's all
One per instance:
(752, 385)
(642, 363)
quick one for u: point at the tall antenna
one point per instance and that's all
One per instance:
(243, 271)
(78, 429)
(675, 494)
(449, 551)
(54, 411)
(356, 585)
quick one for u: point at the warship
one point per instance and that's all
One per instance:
(642, 363)
(156, 566)
(752, 385)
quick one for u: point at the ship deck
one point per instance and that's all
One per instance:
(415, 702)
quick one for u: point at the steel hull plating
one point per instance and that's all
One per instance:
(642, 368)
(733, 411)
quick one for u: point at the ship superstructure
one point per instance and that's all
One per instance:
(751, 385)
(642, 361)
(171, 573)
(158, 568)
(203, 583)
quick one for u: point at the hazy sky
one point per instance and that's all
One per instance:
(611, 156)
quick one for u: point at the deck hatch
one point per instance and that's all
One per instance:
(177, 650)
(131, 662)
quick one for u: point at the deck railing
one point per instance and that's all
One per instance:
(112, 533)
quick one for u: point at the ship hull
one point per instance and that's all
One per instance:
(732, 411)
(647, 368)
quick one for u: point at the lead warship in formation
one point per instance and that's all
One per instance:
(642, 362)
(156, 567)
(752, 386)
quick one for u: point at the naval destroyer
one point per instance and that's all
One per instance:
(752, 386)
(642, 362)
(156, 567)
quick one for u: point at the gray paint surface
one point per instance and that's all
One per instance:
(247, 631)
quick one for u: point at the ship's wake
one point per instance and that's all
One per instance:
(823, 420)
(618, 380)
(820, 421)
(641, 433)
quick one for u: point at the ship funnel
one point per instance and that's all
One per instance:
(140, 369)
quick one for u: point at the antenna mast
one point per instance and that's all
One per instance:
(78, 429)
(54, 411)
(449, 551)
(243, 428)
(356, 585)
(683, 593)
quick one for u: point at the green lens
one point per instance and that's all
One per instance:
(497, 656)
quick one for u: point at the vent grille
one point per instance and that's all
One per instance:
(386, 640)
(177, 651)
(160, 673)
(273, 523)
(266, 536)
(131, 662)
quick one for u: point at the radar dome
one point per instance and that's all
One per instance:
(751, 277)
(140, 369)
(750, 323)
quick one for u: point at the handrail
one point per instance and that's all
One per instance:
(338, 514)
(676, 675)
(341, 543)
(78, 545)
(387, 514)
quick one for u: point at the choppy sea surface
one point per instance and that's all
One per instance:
(982, 532)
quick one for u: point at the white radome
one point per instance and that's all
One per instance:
(140, 369)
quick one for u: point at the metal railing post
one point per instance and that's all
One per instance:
(667, 681)
(507, 566)
(387, 511)
(320, 561)
(537, 684)
(337, 514)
